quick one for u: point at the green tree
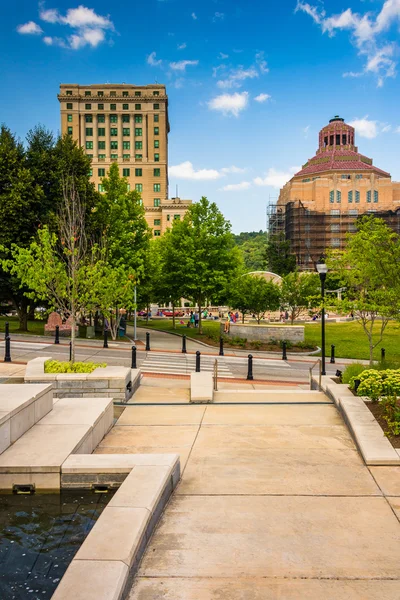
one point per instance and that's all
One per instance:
(298, 290)
(263, 295)
(203, 256)
(369, 266)
(240, 293)
(254, 252)
(278, 256)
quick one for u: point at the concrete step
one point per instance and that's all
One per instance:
(21, 406)
(271, 396)
(74, 426)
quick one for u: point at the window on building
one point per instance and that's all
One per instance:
(114, 145)
(335, 227)
(88, 118)
(101, 132)
(335, 242)
(100, 107)
(69, 105)
(113, 94)
(156, 106)
(157, 222)
(156, 143)
(113, 119)
(156, 118)
(138, 107)
(157, 187)
(114, 131)
(101, 172)
(126, 172)
(357, 196)
(352, 227)
(350, 196)
(89, 156)
(69, 118)
(100, 94)
(138, 118)
(126, 145)
(156, 93)
(138, 156)
(358, 176)
(88, 93)
(126, 131)
(338, 139)
(157, 233)
(157, 172)
(126, 156)
(90, 172)
(369, 196)
(101, 118)
(331, 196)
(101, 145)
(353, 212)
(138, 145)
(102, 156)
(139, 187)
(100, 187)
(69, 92)
(331, 138)
(114, 156)
(156, 131)
(346, 176)
(344, 140)
(88, 107)
(338, 196)
(138, 94)
(69, 130)
(125, 107)
(113, 107)
(157, 201)
(125, 94)
(138, 131)
(89, 145)
(125, 118)
(89, 131)
(128, 187)
(177, 217)
(156, 158)
(335, 212)
(138, 172)
(307, 228)
(376, 196)
(168, 217)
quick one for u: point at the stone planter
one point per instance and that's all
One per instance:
(265, 333)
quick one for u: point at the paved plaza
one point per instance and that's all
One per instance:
(275, 501)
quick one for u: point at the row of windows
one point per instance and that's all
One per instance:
(101, 131)
(176, 218)
(358, 176)
(127, 172)
(124, 156)
(100, 94)
(114, 145)
(114, 118)
(112, 106)
(139, 188)
(353, 195)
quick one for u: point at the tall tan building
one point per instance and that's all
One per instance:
(126, 124)
(322, 202)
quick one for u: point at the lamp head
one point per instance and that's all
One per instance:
(321, 266)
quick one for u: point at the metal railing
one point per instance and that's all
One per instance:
(215, 377)
(318, 362)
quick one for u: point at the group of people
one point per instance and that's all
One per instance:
(231, 317)
(194, 318)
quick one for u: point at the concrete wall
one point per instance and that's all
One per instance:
(266, 333)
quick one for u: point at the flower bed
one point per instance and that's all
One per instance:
(56, 366)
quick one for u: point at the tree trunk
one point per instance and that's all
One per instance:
(73, 323)
(243, 317)
(199, 307)
(173, 316)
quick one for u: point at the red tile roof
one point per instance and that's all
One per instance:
(335, 163)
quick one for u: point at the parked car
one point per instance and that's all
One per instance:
(169, 313)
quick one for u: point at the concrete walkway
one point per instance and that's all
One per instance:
(274, 503)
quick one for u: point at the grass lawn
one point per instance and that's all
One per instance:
(348, 338)
(34, 327)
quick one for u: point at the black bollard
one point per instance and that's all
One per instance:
(250, 368)
(383, 353)
(356, 384)
(7, 329)
(70, 351)
(57, 340)
(133, 364)
(147, 341)
(105, 342)
(7, 354)
(332, 353)
(284, 355)
(198, 361)
(221, 346)
(184, 344)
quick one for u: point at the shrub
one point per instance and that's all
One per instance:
(256, 344)
(375, 384)
(391, 414)
(238, 341)
(288, 344)
(56, 366)
(352, 372)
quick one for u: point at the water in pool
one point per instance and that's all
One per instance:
(39, 536)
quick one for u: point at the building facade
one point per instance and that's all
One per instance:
(322, 202)
(126, 124)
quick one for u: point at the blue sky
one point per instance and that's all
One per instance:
(249, 83)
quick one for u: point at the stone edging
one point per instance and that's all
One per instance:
(371, 442)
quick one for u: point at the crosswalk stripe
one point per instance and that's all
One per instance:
(182, 364)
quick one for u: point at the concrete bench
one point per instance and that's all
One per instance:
(201, 387)
(21, 406)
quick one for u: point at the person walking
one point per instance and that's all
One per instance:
(196, 319)
(192, 320)
(227, 323)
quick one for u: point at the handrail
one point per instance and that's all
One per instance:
(317, 362)
(216, 375)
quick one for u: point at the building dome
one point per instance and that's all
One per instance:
(337, 152)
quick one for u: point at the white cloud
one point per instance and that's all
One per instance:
(153, 61)
(182, 64)
(232, 169)
(262, 97)
(186, 171)
(235, 187)
(30, 28)
(222, 56)
(365, 127)
(230, 104)
(194, 16)
(386, 128)
(182, 46)
(275, 178)
(397, 130)
(366, 34)
(218, 16)
(50, 15)
(236, 76)
(261, 62)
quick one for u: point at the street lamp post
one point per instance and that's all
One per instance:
(322, 271)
